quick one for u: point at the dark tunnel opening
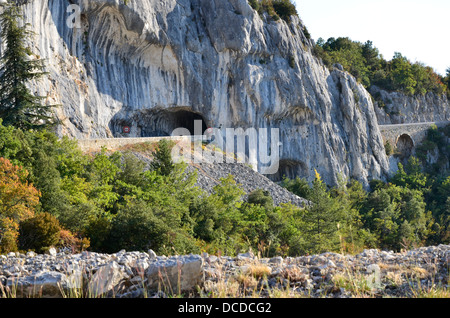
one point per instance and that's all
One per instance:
(289, 169)
(162, 122)
(405, 146)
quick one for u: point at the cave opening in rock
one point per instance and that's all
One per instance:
(162, 122)
(289, 169)
(165, 122)
(405, 146)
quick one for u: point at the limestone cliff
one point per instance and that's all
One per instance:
(153, 64)
(398, 108)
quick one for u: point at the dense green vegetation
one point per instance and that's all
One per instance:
(411, 209)
(364, 61)
(277, 9)
(112, 201)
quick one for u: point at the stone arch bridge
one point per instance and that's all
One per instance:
(406, 137)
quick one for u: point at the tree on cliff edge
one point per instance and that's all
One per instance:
(18, 106)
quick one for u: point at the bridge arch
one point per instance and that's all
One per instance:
(405, 145)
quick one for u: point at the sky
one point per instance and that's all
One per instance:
(418, 29)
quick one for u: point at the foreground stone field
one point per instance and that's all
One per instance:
(422, 272)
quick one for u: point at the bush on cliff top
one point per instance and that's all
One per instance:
(277, 9)
(364, 62)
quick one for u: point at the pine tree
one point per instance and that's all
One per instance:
(18, 106)
(323, 216)
(162, 158)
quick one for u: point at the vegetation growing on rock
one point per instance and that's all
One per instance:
(277, 9)
(364, 61)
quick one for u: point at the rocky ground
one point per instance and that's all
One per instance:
(248, 179)
(416, 273)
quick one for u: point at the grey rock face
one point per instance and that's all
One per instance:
(398, 108)
(151, 65)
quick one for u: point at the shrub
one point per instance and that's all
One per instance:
(291, 61)
(297, 186)
(388, 148)
(68, 240)
(254, 4)
(262, 198)
(277, 9)
(39, 233)
(8, 235)
(135, 227)
(306, 33)
(139, 227)
(284, 9)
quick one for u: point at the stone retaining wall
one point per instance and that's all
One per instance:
(88, 145)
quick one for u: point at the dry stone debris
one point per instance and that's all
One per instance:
(140, 274)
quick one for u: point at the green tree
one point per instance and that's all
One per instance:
(286, 231)
(322, 216)
(411, 175)
(162, 158)
(380, 216)
(350, 197)
(136, 228)
(372, 56)
(102, 172)
(402, 74)
(218, 217)
(18, 106)
(364, 61)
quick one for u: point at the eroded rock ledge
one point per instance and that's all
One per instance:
(372, 273)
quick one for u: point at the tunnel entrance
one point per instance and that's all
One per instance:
(405, 146)
(161, 122)
(289, 169)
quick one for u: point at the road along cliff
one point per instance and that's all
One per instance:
(145, 68)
